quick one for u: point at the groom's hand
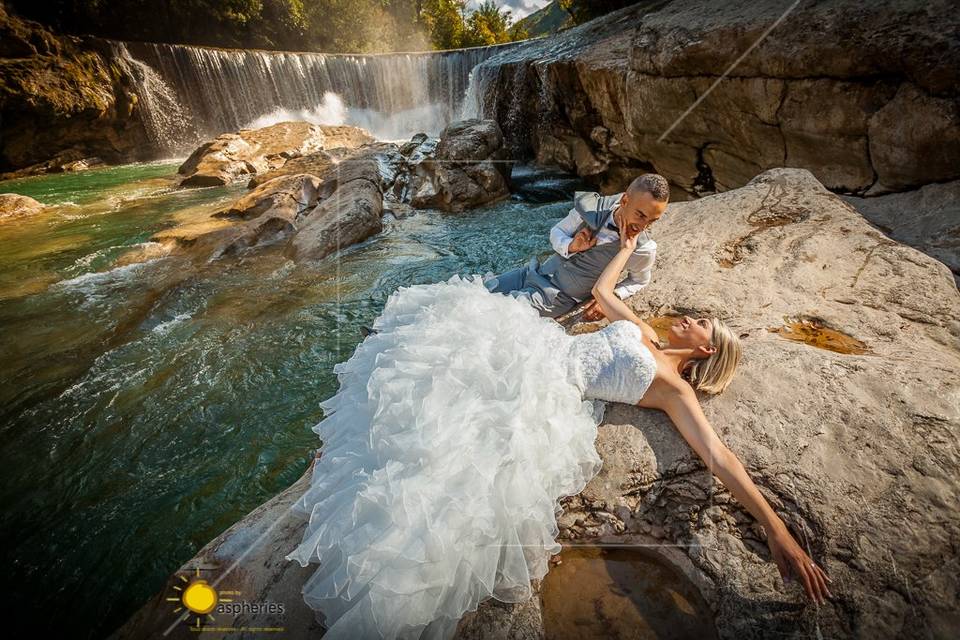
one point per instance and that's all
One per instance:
(592, 311)
(581, 241)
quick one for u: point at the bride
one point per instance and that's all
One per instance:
(458, 425)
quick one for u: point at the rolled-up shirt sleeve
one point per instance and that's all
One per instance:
(639, 270)
(561, 235)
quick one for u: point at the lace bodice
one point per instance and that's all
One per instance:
(612, 363)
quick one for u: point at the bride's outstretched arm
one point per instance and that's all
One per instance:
(684, 409)
(603, 291)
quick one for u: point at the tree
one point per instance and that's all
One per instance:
(443, 20)
(488, 24)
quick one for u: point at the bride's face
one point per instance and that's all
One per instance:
(691, 333)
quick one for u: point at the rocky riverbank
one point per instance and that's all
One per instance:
(317, 189)
(66, 103)
(844, 412)
(865, 96)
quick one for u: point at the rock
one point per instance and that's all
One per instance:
(927, 218)
(14, 205)
(349, 215)
(255, 151)
(316, 163)
(857, 453)
(63, 99)
(269, 211)
(864, 95)
(287, 195)
(467, 168)
(914, 140)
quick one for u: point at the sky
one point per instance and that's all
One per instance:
(519, 8)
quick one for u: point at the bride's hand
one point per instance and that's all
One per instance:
(629, 242)
(792, 561)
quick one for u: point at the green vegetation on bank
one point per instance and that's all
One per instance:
(363, 26)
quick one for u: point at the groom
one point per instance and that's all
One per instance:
(584, 242)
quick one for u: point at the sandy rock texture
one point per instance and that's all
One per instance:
(255, 151)
(13, 205)
(858, 453)
(864, 95)
(927, 218)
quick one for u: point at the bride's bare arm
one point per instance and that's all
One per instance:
(683, 407)
(603, 291)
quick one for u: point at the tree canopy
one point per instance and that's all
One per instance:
(362, 26)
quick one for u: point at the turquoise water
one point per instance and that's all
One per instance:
(147, 407)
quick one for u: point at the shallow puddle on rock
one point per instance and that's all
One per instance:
(662, 324)
(621, 592)
(816, 334)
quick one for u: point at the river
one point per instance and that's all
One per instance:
(148, 404)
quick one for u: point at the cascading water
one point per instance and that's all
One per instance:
(391, 95)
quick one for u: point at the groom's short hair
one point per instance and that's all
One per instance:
(653, 183)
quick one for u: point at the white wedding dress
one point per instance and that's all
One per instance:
(457, 427)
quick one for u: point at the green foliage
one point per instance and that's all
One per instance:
(361, 26)
(585, 10)
(487, 25)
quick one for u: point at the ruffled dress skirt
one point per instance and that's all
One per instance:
(456, 429)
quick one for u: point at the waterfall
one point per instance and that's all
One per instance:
(159, 107)
(220, 90)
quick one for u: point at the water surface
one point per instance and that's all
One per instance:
(146, 407)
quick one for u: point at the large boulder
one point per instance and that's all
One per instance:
(864, 95)
(855, 448)
(255, 151)
(350, 214)
(467, 167)
(14, 205)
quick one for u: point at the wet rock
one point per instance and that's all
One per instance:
(287, 195)
(13, 205)
(466, 169)
(349, 215)
(256, 151)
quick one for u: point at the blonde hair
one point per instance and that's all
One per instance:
(713, 373)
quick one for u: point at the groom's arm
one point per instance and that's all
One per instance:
(561, 235)
(639, 270)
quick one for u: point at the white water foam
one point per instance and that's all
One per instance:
(333, 110)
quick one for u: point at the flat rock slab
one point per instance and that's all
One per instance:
(927, 218)
(256, 151)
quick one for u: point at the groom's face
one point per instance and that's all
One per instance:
(638, 211)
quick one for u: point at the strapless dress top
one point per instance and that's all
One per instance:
(612, 363)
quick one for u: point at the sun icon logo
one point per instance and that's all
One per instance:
(198, 597)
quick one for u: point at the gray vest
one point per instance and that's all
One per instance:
(577, 274)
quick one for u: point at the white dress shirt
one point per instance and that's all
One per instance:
(639, 266)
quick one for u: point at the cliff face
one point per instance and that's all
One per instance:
(864, 95)
(63, 99)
